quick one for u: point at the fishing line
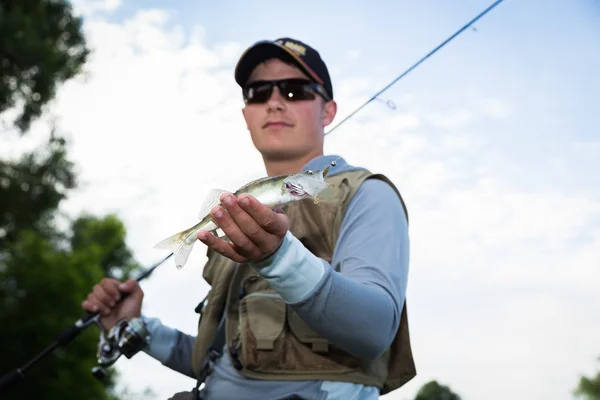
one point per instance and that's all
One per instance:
(445, 42)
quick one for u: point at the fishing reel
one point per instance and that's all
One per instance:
(126, 338)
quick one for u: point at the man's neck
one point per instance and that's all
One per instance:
(277, 167)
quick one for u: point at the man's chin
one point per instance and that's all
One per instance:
(277, 154)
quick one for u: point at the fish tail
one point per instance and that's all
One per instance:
(180, 248)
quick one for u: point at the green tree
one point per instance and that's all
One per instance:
(45, 273)
(45, 270)
(434, 391)
(41, 46)
(32, 188)
(589, 387)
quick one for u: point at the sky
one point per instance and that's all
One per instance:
(493, 142)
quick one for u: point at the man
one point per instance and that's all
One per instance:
(309, 303)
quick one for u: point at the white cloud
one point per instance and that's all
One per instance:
(451, 120)
(587, 147)
(154, 126)
(500, 280)
(89, 7)
(496, 108)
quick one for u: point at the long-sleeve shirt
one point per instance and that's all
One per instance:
(355, 301)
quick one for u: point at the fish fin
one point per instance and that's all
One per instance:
(179, 247)
(212, 199)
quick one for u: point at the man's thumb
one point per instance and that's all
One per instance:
(130, 286)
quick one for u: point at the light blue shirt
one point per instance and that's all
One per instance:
(355, 302)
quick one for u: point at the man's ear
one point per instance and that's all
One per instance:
(329, 112)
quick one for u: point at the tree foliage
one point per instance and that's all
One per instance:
(46, 267)
(435, 391)
(589, 387)
(45, 273)
(32, 188)
(41, 46)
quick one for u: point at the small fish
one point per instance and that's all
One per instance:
(272, 191)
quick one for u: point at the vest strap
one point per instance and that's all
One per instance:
(215, 351)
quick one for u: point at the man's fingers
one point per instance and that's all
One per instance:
(279, 210)
(132, 287)
(88, 306)
(220, 246)
(255, 231)
(275, 223)
(97, 305)
(249, 235)
(110, 287)
(232, 228)
(101, 294)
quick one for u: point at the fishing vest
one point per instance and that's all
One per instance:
(266, 338)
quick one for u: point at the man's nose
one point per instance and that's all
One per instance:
(276, 101)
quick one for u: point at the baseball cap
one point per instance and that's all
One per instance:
(287, 49)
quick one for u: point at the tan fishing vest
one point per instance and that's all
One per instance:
(266, 339)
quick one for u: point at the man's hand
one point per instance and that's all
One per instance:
(104, 297)
(255, 230)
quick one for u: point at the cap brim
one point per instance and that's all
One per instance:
(264, 50)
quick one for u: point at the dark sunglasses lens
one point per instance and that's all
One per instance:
(296, 90)
(258, 92)
(290, 89)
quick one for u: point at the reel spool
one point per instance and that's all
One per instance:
(125, 338)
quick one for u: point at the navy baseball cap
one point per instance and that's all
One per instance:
(287, 49)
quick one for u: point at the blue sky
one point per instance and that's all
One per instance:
(541, 55)
(547, 49)
(494, 144)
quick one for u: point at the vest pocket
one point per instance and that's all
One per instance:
(262, 323)
(305, 334)
(274, 339)
(314, 352)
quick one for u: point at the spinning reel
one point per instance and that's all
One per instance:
(126, 338)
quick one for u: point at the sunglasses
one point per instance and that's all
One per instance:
(296, 89)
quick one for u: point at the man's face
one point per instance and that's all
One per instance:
(282, 129)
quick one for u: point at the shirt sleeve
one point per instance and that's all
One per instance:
(171, 347)
(356, 301)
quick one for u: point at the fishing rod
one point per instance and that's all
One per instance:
(90, 318)
(68, 335)
(445, 42)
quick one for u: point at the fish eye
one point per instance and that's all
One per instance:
(310, 172)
